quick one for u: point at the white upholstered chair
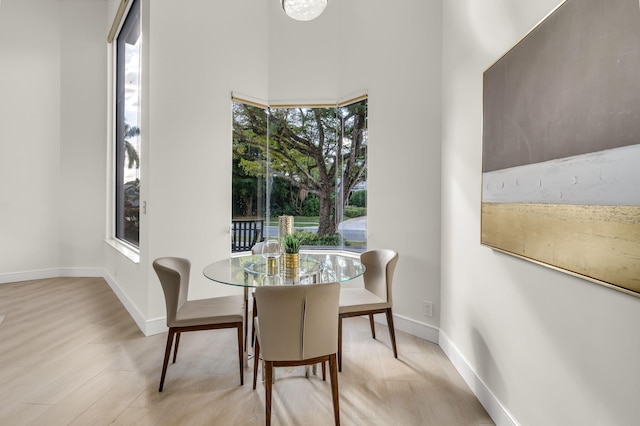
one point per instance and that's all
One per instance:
(193, 315)
(257, 248)
(297, 325)
(374, 298)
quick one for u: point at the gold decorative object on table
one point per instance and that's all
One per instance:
(285, 227)
(272, 266)
(271, 254)
(291, 265)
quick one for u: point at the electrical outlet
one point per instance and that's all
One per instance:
(427, 308)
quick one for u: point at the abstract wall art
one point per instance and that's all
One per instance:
(561, 144)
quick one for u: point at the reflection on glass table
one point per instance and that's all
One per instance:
(251, 270)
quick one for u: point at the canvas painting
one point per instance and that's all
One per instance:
(561, 144)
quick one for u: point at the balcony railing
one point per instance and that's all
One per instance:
(245, 234)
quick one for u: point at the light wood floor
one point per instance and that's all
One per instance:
(71, 354)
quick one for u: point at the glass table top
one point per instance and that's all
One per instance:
(317, 267)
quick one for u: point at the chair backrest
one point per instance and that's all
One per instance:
(257, 248)
(378, 277)
(298, 322)
(173, 273)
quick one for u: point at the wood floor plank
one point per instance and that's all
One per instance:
(21, 414)
(112, 404)
(72, 355)
(71, 407)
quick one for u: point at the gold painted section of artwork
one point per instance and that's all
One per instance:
(599, 242)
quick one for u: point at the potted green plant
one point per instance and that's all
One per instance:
(291, 244)
(291, 256)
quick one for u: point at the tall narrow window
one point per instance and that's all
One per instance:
(127, 129)
(249, 175)
(309, 163)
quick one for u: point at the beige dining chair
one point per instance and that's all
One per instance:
(185, 315)
(257, 248)
(374, 298)
(297, 325)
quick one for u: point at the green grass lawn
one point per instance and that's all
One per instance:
(298, 221)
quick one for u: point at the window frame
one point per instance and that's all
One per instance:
(129, 19)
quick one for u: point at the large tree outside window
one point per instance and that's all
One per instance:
(127, 129)
(310, 163)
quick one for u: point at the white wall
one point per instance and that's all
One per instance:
(199, 52)
(29, 135)
(553, 349)
(52, 133)
(83, 106)
(392, 50)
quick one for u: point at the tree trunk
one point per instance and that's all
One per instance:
(327, 225)
(248, 202)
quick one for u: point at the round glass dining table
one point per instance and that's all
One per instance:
(250, 271)
(317, 267)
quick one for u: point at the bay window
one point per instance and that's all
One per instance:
(309, 162)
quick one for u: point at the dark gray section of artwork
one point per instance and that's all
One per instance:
(570, 87)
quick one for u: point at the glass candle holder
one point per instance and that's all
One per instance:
(271, 255)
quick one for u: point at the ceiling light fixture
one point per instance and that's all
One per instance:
(304, 10)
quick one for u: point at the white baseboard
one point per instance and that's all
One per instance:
(148, 327)
(156, 326)
(41, 274)
(499, 414)
(411, 326)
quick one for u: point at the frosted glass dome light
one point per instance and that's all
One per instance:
(304, 10)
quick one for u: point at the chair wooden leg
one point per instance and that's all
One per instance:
(246, 316)
(340, 343)
(167, 353)
(324, 371)
(268, 384)
(175, 348)
(373, 327)
(334, 388)
(240, 353)
(392, 332)
(256, 357)
(253, 323)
